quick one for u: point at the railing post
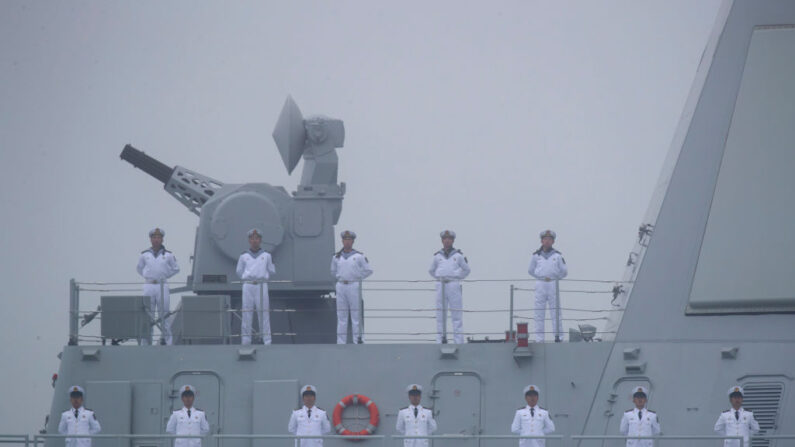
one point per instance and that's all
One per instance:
(260, 307)
(444, 311)
(74, 311)
(510, 315)
(559, 322)
(361, 315)
(161, 315)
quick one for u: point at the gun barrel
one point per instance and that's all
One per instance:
(151, 166)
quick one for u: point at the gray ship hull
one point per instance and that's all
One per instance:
(476, 390)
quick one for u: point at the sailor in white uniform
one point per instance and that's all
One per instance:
(736, 421)
(449, 267)
(254, 268)
(415, 420)
(640, 421)
(78, 420)
(547, 266)
(188, 420)
(350, 267)
(309, 420)
(156, 265)
(532, 420)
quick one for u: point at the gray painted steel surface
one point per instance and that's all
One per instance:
(686, 359)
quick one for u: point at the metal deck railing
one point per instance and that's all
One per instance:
(386, 320)
(165, 440)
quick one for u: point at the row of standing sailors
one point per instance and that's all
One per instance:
(414, 420)
(349, 267)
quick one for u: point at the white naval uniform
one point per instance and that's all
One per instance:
(302, 423)
(742, 424)
(644, 425)
(180, 423)
(349, 269)
(533, 421)
(85, 423)
(422, 424)
(452, 267)
(254, 269)
(547, 265)
(156, 268)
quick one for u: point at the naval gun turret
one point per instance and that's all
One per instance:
(297, 229)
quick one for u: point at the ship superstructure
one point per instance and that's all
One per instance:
(708, 298)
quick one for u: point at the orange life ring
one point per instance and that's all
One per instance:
(355, 399)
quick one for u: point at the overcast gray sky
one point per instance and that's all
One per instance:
(495, 119)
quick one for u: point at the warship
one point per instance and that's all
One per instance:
(707, 300)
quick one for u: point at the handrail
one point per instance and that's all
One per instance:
(462, 436)
(657, 438)
(119, 437)
(36, 439)
(15, 439)
(411, 281)
(378, 298)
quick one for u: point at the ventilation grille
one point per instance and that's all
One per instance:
(763, 399)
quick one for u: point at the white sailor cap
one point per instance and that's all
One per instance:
(640, 389)
(308, 389)
(347, 234)
(157, 232)
(187, 389)
(532, 388)
(447, 233)
(76, 389)
(736, 389)
(254, 232)
(414, 387)
(548, 233)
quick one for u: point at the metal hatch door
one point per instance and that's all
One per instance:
(208, 397)
(456, 399)
(619, 401)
